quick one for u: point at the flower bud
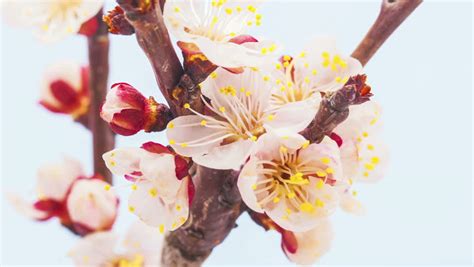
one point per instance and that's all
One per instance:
(127, 111)
(65, 89)
(92, 206)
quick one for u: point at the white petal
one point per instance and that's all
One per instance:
(186, 130)
(144, 240)
(54, 180)
(96, 249)
(326, 79)
(312, 244)
(247, 179)
(291, 118)
(230, 156)
(243, 55)
(160, 170)
(152, 210)
(91, 204)
(25, 208)
(123, 161)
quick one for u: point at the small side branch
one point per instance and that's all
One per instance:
(102, 136)
(152, 36)
(392, 14)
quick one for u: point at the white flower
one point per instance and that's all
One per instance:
(54, 181)
(51, 20)
(216, 28)
(141, 247)
(237, 114)
(92, 205)
(162, 189)
(364, 156)
(319, 68)
(312, 244)
(292, 184)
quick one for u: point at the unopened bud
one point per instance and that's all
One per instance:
(127, 111)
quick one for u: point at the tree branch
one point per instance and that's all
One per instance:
(392, 14)
(215, 208)
(102, 136)
(153, 38)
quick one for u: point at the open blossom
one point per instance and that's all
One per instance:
(237, 114)
(311, 245)
(65, 89)
(53, 20)
(217, 29)
(92, 205)
(319, 68)
(141, 246)
(127, 111)
(293, 186)
(81, 204)
(162, 188)
(364, 156)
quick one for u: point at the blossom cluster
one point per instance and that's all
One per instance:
(256, 106)
(257, 103)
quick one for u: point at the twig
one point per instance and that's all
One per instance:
(154, 39)
(392, 14)
(102, 136)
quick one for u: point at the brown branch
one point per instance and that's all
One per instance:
(392, 14)
(215, 208)
(102, 136)
(153, 38)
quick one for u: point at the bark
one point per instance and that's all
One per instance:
(392, 14)
(102, 136)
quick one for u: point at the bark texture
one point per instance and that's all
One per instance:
(102, 137)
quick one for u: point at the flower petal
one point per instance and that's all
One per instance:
(225, 157)
(91, 204)
(25, 208)
(54, 180)
(95, 249)
(312, 244)
(247, 179)
(124, 161)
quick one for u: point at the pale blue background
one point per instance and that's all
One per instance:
(421, 212)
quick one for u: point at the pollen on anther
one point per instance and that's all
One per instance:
(222, 109)
(307, 207)
(375, 160)
(172, 142)
(184, 145)
(369, 166)
(283, 149)
(271, 117)
(153, 192)
(365, 134)
(213, 75)
(186, 106)
(228, 11)
(370, 147)
(131, 208)
(177, 9)
(266, 78)
(203, 123)
(134, 187)
(264, 51)
(178, 207)
(276, 200)
(305, 144)
(254, 186)
(170, 125)
(325, 160)
(320, 184)
(253, 138)
(107, 187)
(162, 228)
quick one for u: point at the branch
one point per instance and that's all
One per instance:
(102, 136)
(215, 208)
(392, 14)
(154, 39)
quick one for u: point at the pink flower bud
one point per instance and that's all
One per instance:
(127, 111)
(92, 205)
(65, 89)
